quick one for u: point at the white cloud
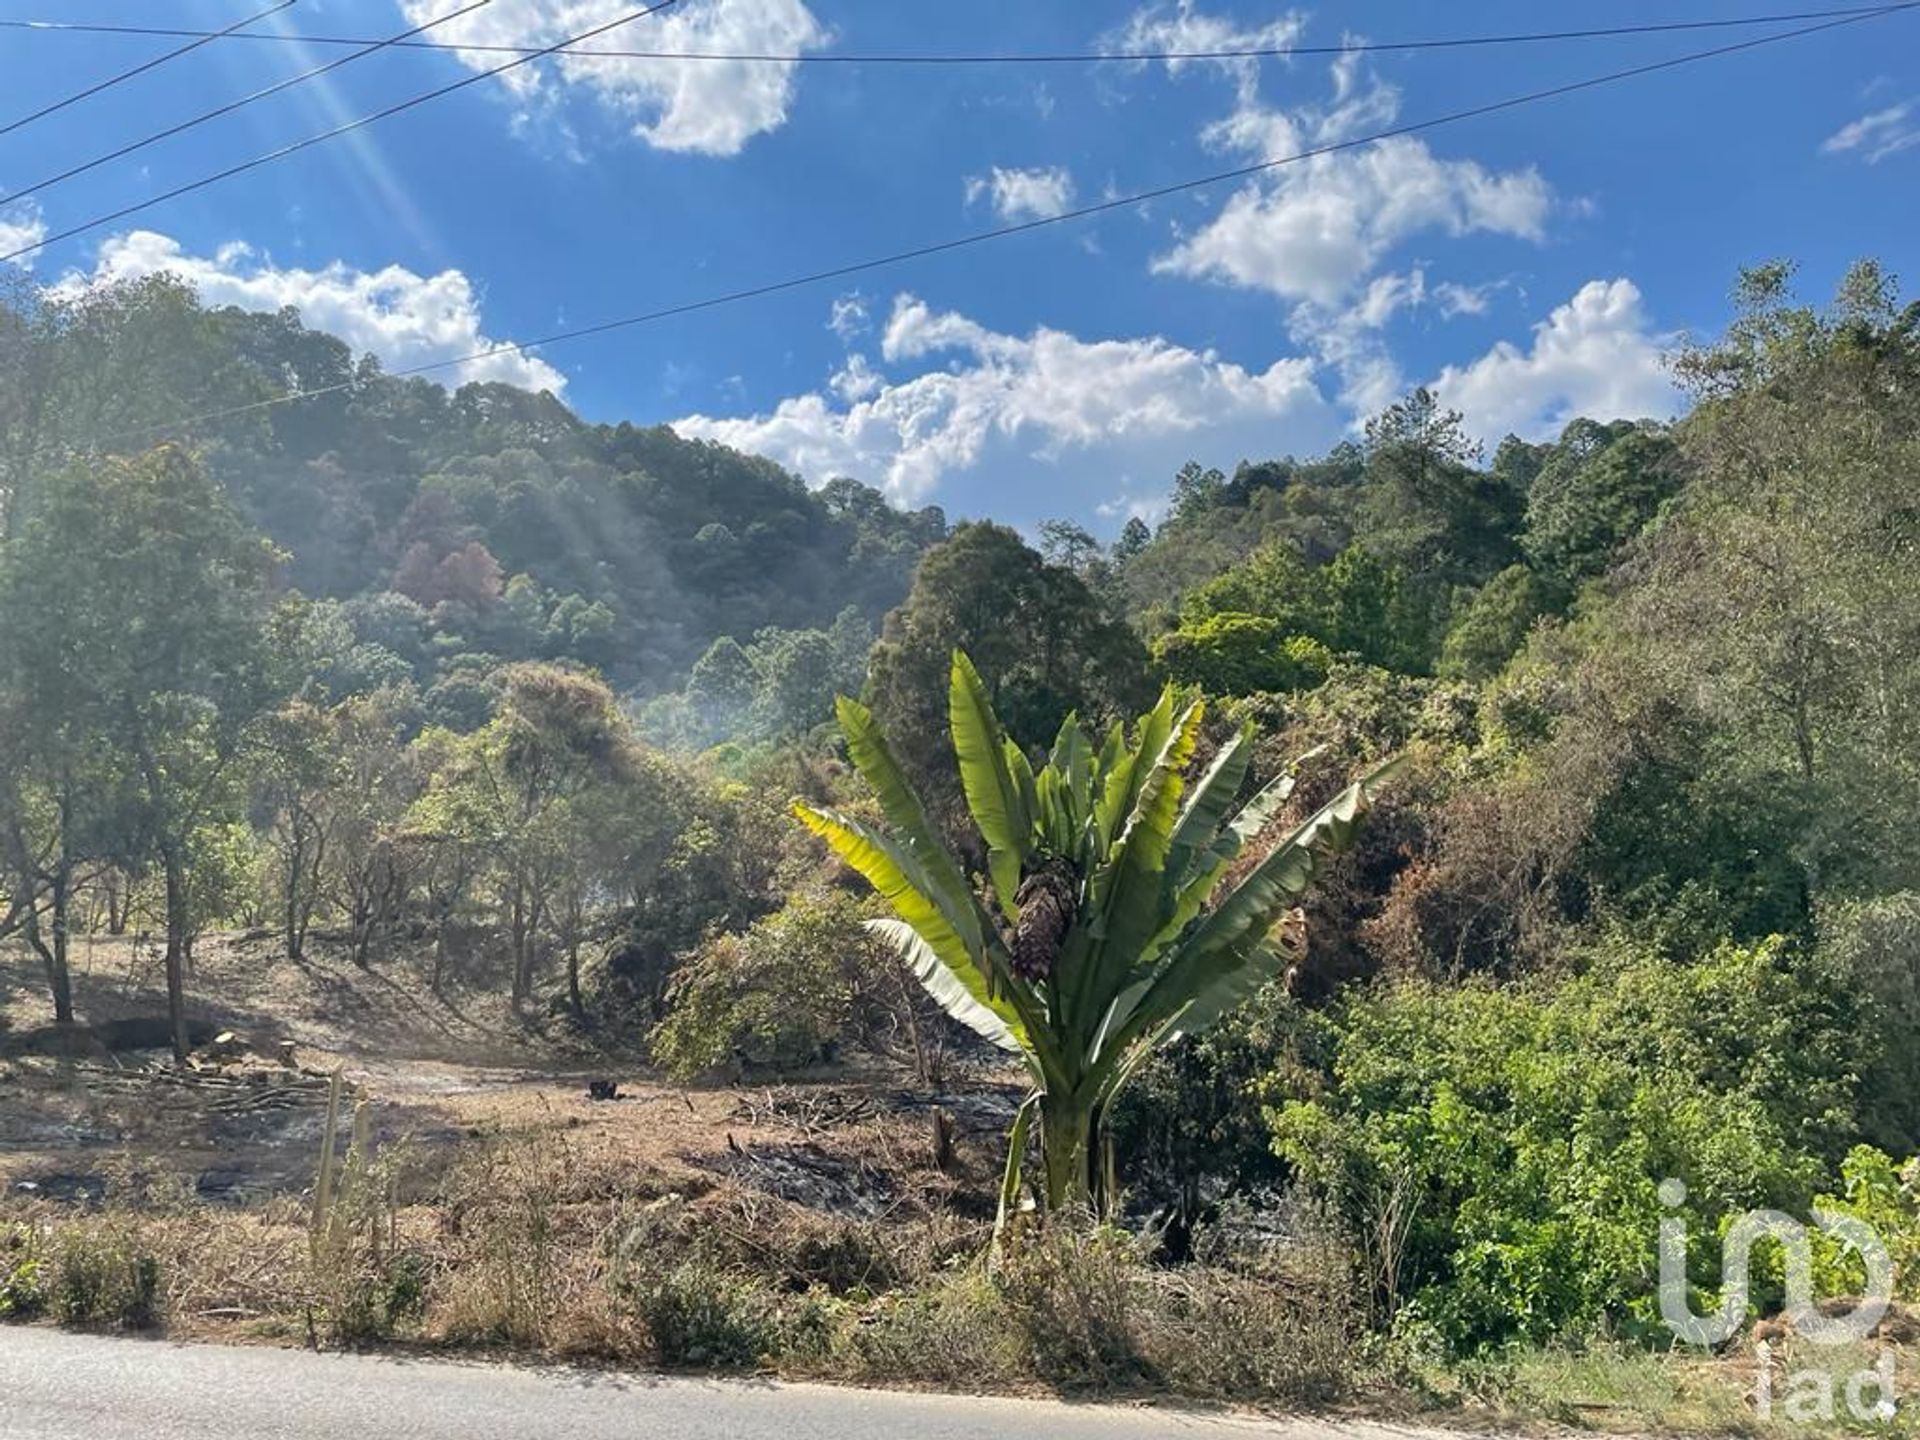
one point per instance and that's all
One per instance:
(708, 107)
(1387, 295)
(22, 228)
(1036, 194)
(1151, 509)
(849, 317)
(1456, 299)
(1883, 133)
(1045, 407)
(1159, 28)
(1319, 229)
(1352, 339)
(1595, 356)
(856, 380)
(404, 318)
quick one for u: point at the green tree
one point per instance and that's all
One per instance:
(1234, 654)
(1426, 505)
(136, 602)
(1042, 643)
(722, 687)
(1135, 536)
(1598, 489)
(1106, 933)
(297, 773)
(1489, 629)
(526, 791)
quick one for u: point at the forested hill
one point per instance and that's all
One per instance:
(484, 521)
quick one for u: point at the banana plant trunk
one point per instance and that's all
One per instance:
(1076, 1153)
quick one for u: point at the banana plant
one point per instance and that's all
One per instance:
(1104, 928)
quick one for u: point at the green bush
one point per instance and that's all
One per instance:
(781, 995)
(23, 1290)
(1886, 1195)
(699, 1313)
(99, 1276)
(1874, 945)
(1236, 654)
(1496, 1150)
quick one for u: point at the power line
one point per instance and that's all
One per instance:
(297, 146)
(1271, 52)
(373, 48)
(1141, 197)
(202, 38)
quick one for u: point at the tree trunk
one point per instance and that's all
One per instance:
(439, 954)
(62, 976)
(60, 894)
(176, 958)
(522, 964)
(1066, 1149)
(291, 926)
(119, 904)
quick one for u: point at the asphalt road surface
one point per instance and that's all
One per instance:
(55, 1386)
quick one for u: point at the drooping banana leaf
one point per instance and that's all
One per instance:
(1264, 806)
(1207, 804)
(960, 994)
(946, 928)
(1016, 1157)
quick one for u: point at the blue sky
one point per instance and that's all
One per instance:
(1533, 264)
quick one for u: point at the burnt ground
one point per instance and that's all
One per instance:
(82, 1112)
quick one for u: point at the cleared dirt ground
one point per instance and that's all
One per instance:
(75, 1111)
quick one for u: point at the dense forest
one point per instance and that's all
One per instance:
(409, 668)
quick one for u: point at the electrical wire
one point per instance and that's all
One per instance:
(1268, 52)
(1141, 197)
(307, 144)
(204, 38)
(231, 106)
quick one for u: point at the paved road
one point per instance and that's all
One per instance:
(67, 1387)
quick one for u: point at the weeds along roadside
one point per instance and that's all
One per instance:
(526, 1246)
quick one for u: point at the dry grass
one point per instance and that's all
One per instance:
(800, 1230)
(542, 1238)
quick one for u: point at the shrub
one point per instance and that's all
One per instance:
(1070, 1292)
(1886, 1195)
(781, 995)
(701, 1313)
(1236, 654)
(1874, 946)
(1079, 1310)
(98, 1275)
(23, 1292)
(1496, 1149)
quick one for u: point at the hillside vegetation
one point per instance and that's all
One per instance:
(457, 690)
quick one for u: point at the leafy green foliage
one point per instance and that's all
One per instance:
(781, 995)
(1138, 951)
(1505, 1163)
(517, 529)
(1234, 654)
(1598, 489)
(1489, 629)
(98, 1275)
(1357, 604)
(1040, 642)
